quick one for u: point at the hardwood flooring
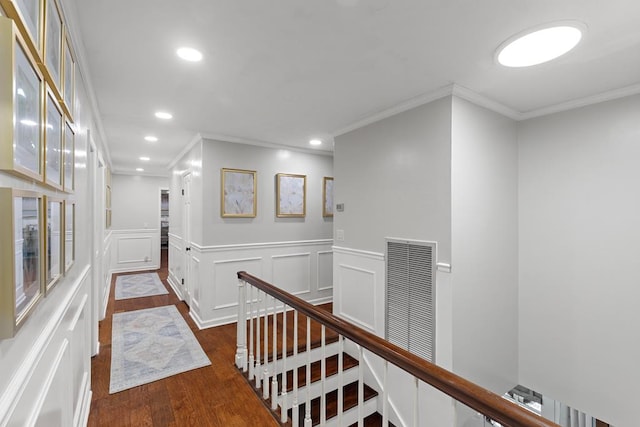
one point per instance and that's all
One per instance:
(216, 395)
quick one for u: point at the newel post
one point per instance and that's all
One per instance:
(241, 329)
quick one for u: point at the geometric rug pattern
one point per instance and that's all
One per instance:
(139, 285)
(151, 344)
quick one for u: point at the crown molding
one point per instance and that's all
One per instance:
(194, 140)
(70, 17)
(266, 144)
(396, 109)
(483, 101)
(583, 102)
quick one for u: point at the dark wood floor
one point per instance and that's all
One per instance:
(216, 395)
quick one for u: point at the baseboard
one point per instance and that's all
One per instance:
(81, 419)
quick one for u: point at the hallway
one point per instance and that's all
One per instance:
(216, 395)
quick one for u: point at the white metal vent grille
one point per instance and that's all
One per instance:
(410, 311)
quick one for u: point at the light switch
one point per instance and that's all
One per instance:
(340, 235)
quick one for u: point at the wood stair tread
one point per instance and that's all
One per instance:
(373, 420)
(331, 369)
(349, 400)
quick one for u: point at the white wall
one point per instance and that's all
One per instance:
(293, 253)
(484, 275)
(135, 226)
(579, 232)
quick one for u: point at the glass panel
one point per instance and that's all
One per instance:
(27, 124)
(52, 42)
(54, 143)
(30, 11)
(69, 240)
(69, 154)
(27, 252)
(68, 78)
(54, 266)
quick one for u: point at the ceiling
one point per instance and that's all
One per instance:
(281, 72)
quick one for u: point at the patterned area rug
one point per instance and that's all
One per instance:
(139, 285)
(151, 344)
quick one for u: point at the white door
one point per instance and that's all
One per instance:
(96, 259)
(186, 227)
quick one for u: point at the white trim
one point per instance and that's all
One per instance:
(482, 101)
(175, 236)
(264, 245)
(583, 102)
(82, 417)
(445, 268)
(266, 144)
(135, 231)
(396, 109)
(174, 286)
(134, 269)
(23, 373)
(192, 143)
(366, 254)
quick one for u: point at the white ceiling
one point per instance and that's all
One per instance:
(280, 72)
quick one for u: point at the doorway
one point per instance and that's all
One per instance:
(164, 227)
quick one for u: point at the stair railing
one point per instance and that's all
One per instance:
(258, 292)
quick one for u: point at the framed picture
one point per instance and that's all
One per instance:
(29, 15)
(21, 84)
(69, 158)
(53, 41)
(69, 234)
(53, 143)
(238, 197)
(54, 241)
(69, 70)
(291, 199)
(327, 196)
(21, 223)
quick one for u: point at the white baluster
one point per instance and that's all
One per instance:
(294, 406)
(415, 402)
(340, 378)
(274, 377)
(360, 386)
(251, 337)
(258, 370)
(307, 409)
(323, 375)
(241, 329)
(385, 395)
(265, 372)
(283, 395)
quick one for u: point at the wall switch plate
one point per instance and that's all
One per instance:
(340, 235)
(340, 207)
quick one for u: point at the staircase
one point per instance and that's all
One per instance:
(304, 363)
(297, 365)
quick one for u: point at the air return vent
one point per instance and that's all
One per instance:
(410, 296)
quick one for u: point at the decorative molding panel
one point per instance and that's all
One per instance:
(135, 250)
(292, 272)
(357, 295)
(226, 282)
(325, 273)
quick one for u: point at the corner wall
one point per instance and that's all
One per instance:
(579, 275)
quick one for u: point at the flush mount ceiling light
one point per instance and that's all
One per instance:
(145, 159)
(540, 44)
(315, 141)
(189, 54)
(150, 138)
(163, 115)
(139, 170)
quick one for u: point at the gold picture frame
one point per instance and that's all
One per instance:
(327, 196)
(53, 142)
(21, 257)
(21, 130)
(54, 241)
(238, 193)
(69, 234)
(68, 158)
(291, 195)
(29, 17)
(52, 47)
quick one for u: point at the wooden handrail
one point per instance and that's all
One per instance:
(472, 395)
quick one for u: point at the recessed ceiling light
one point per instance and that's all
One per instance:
(189, 54)
(163, 115)
(145, 159)
(540, 44)
(315, 141)
(139, 170)
(150, 138)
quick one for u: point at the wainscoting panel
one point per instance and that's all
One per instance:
(176, 264)
(226, 281)
(193, 284)
(50, 382)
(325, 270)
(292, 272)
(135, 250)
(359, 288)
(296, 267)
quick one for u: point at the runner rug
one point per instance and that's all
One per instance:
(151, 344)
(139, 285)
